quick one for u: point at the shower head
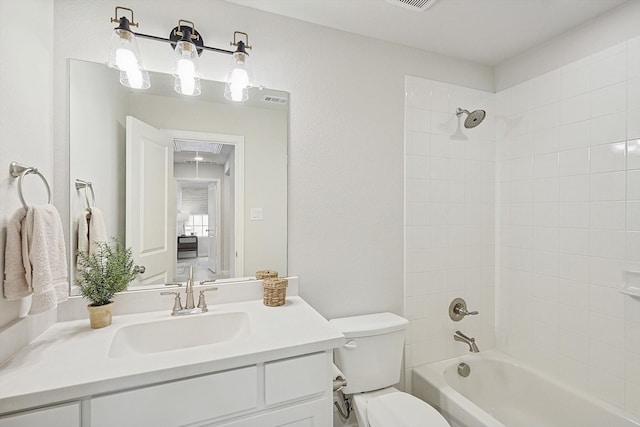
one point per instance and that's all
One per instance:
(474, 118)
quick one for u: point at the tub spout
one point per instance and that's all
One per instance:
(471, 342)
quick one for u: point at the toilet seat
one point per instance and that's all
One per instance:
(402, 410)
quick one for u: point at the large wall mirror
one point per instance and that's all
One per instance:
(183, 181)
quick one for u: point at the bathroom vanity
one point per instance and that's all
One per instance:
(241, 364)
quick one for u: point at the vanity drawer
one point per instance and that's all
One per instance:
(295, 378)
(57, 416)
(179, 402)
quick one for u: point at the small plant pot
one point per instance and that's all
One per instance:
(100, 315)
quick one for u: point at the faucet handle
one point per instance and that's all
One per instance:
(458, 309)
(177, 304)
(202, 303)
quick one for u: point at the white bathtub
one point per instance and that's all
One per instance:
(502, 392)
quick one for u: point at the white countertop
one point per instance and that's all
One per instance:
(70, 360)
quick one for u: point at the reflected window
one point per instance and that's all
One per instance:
(197, 225)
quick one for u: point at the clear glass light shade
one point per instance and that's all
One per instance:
(239, 79)
(125, 56)
(186, 69)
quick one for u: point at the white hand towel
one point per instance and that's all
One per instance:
(91, 230)
(44, 257)
(97, 229)
(15, 281)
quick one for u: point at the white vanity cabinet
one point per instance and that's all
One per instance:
(54, 416)
(295, 392)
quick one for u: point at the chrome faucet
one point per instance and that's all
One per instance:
(189, 307)
(459, 336)
(189, 304)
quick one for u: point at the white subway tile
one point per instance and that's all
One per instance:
(573, 241)
(419, 120)
(440, 145)
(633, 185)
(606, 358)
(607, 243)
(576, 108)
(606, 272)
(633, 154)
(573, 214)
(633, 123)
(608, 157)
(546, 141)
(545, 262)
(632, 398)
(609, 128)
(443, 123)
(546, 165)
(633, 337)
(418, 143)
(574, 135)
(605, 300)
(608, 186)
(522, 98)
(609, 52)
(545, 214)
(522, 146)
(547, 88)
(609, 100)
(607, 387)
(546, 117)
(574, 188)
(633, 246)
(573, 267)
(573, 371)
(633, 58)
(607, 215)
(608, 329)
(572, 319)
(633, 216)
(545, 190)
(610, 71)
(574, 162)
(575, 80)
(633, 93)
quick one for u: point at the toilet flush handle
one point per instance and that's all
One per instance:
(351, 345)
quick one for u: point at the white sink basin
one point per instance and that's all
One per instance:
(179, 333)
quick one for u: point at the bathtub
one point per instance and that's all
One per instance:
(502, 392)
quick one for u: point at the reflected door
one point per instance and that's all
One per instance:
(212, 229)
(150, 216)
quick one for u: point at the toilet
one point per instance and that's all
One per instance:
(371, 361)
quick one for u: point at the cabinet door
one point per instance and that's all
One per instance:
(317, 413)
(58, 416)
(178, 403)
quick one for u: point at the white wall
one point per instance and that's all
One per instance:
(26, 136)
(569, 222)
(346, 126)
(449, 219)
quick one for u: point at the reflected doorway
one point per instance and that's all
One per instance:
(205, 218)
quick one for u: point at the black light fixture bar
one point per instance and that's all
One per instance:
(162, 39)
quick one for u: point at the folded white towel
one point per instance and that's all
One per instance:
(15, 281)
(91, 230)
(44, 257)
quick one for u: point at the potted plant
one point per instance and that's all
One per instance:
(103, 273)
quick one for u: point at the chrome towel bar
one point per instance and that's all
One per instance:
(19, 171)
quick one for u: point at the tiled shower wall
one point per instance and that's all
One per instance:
(568, 223)
(449, 219)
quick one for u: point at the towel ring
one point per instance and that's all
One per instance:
(87, 184)
(18, 170)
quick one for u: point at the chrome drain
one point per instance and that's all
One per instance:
(464, 370)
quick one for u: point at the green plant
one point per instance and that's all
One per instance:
(105, 272)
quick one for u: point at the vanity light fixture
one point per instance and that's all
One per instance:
(188, 45)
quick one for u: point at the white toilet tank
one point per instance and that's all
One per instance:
(371, 358)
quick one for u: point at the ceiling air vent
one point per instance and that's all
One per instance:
(275, 99)
(416, 5)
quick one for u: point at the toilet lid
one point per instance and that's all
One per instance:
(402, 410)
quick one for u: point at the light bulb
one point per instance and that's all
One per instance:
(125, 59)
(239, 78)
(185, 69)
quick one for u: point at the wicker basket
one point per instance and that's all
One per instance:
(275, 292)
(266, 274)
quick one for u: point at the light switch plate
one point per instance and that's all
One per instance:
(255, 214)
